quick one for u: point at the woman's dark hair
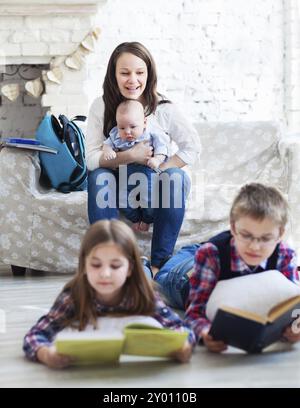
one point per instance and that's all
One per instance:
(111, 93)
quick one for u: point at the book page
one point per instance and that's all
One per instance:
(257, 293)
(245, 314)
(109, 326)
(153, 342)
(104, 344)
(119, 323)
(283, 307)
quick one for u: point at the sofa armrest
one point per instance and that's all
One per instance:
(19, 170)
(289, 148)
(19, 177)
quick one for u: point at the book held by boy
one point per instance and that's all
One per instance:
(251, 312)
(116, 336)
(31, 144)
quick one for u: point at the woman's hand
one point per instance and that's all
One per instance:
(153, 163)
(173, 161)
(50, 357)
(141, 152)
(184, 354)
(215, 346)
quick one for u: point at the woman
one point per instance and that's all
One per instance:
(131, 74)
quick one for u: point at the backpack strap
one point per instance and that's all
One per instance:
(56, 126)
(80, 174)
(80, 138)
(80, 118)
(65, 122)
(72, 185)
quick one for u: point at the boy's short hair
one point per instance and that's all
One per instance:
(260, 201)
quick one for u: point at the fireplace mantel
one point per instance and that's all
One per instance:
(36, 32)
(48, 7)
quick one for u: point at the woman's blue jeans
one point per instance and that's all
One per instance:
(161, 200)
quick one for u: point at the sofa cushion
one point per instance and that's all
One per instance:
(236, 152)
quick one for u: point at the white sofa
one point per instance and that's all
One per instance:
(42, 229)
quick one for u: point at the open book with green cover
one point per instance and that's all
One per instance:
(251, 312)
(133, 335)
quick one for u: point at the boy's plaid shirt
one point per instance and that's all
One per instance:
(206, 275)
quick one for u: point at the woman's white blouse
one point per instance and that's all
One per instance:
(179, 131)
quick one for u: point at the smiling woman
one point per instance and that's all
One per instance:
(131, 74)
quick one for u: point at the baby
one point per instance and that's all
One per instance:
(131, 129)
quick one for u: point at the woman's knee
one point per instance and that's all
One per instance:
(181, 178)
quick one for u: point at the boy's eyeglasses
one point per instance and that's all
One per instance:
(262, 241)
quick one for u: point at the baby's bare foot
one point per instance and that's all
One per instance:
(136, 226)
(144, 227)
(154, 270)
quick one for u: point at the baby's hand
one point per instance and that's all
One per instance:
(215, 346)
(184, 354)
(109, 155)
(153, 163)
(50, 357)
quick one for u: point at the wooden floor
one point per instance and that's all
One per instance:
(23, 300)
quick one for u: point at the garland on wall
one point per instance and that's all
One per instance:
(75, 61)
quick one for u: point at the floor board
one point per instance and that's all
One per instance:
(23, 300)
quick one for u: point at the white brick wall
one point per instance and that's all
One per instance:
(292, 64)
(219, 59)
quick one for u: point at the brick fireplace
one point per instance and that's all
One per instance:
(36, 38)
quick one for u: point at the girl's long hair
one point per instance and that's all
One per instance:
(112, 96)
(137, 288)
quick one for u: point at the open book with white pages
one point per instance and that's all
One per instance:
(251, 312)
(116, 336)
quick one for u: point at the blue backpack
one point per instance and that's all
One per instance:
(67, 169)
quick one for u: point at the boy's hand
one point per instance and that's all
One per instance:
(184, 354)
(290, 336)
(216, 346)
(50, 357)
